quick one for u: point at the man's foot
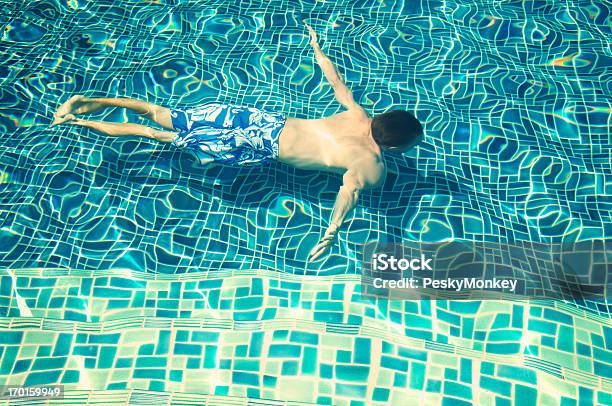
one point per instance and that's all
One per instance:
(75, 105)
(70, 119)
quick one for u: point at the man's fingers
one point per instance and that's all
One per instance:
(315, 250)
(313, 34)
(329, 236)
(318, 250)
(317, 254)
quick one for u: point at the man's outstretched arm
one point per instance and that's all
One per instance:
(363, 174)
(342, 92)
(345, 202)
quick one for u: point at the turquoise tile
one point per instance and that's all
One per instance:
(380, 395)
(176, 375)
(241, 350)
(450, 373)
(525, 395)
(597, 340)
(361, 354)
(255, 344)
(124, 363)
(422, 334)
(554, 315)
(495, 385)
(163, 343)
(417, 321)
(352, 373)
(458, 390)
(603, 370)
(565, 339)
(269, 381)
(467, 327)
(210, 356)
(187, 349)
(503, 348)
(394, 363)
(565, 401)
(585, 395)
(107, 357)
(43, 351)
(451, 318)
(11, 337)
(399, 380)
(42, 378)
(245, 378)
(309, 362)
(280, 335)
(466, 370)
(71, 376)
(417, 375)
(501, 321)
(104, 338)
(303, 337)
(541, 326)
(583, 349)
(324, 400)
(246, 365)
(454, 402)
(150, 373)
(290, 368)
(434, 385)
(285, 350)
(150, 362)
(516, 373)
(326, 371)
(353, 391)
(343, 356)
(21, 365)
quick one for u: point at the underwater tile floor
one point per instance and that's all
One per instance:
(131, 275)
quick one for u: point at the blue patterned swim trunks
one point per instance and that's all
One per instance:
(228, 134)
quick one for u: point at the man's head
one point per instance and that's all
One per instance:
(396, 130)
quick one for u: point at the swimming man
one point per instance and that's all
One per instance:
(348, 143)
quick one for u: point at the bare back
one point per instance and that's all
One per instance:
(332, 144)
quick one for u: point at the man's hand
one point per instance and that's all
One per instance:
(313, 35)
(342, 92)
(325, 243)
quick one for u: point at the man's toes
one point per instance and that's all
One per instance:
(70, 117)
(75, 121)
(59, 120)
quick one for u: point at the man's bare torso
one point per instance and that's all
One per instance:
(333, 144)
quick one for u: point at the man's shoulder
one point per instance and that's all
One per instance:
(358, 113)
(354, 111)
(369, 169)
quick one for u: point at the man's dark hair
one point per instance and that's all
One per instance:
(396, 128)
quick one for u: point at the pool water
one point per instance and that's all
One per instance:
(131, 274)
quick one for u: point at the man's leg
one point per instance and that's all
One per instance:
(122, 129)
(81, 105)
